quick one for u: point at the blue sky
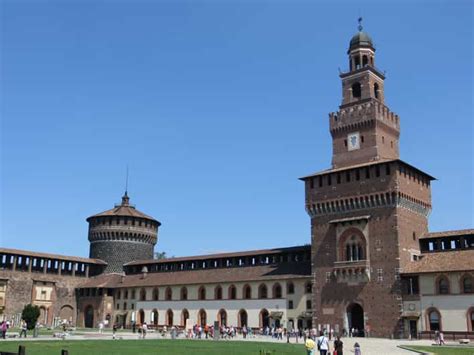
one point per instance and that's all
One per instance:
(217, 107)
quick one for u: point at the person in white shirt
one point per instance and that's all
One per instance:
(323, 344)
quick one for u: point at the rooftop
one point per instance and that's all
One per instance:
(456, 260)
(124, 209)
(51, 256)
(222, 255)
(223, 275)
(452, 233)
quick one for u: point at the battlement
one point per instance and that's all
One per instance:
(355, 116)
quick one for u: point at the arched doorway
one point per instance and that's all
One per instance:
(43, 318)
(141, 316)
(169, 317)
(154, 317)
(222, 317)
(184, 317)
(202, 318)
(355, 318)
(66, 313)
(243, 318)
(89, 317)
(264, 318)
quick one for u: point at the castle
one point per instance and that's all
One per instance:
(371, 265)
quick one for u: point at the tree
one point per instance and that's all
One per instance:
(30, 315)
(160, 255)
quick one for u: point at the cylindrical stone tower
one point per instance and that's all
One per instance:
(121, 235)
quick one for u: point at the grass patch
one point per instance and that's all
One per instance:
(443, 350)
(160, 346)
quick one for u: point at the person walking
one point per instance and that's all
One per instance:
(114, 331)
(309, 345)
(323, 344)
(3, 329)
(23, 328)
(357, 349)
(144, 330)
(338, 346)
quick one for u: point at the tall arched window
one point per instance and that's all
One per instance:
(218, 293)
(247, 292)
(443, 285)
(354, 248)
(277, 291)
(434, 319)
(466, 285)
(262, 291)
(184, 317)
(168, 294)
(365, 60)
(169, 317)
(202, 293)
(232, 292)
(290, 288)
(222, 317)
(142, 294)
(376, 90)
(184, 293)
(155, 294)
(356, 90)
(202, 317)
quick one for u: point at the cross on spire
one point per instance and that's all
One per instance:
(360, 24)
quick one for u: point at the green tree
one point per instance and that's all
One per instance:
(30, 315)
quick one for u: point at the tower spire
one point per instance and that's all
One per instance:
(360, 28)
(125, 198)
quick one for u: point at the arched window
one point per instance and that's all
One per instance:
(184, 317)
(168, 294)
(467, 284)
(365, 60)
(376, 90)
(290, 288)
(434, 319)
(142, 294)
(202, 293)
(222, 317)
(242, 318)
(118, 294)
(247, 292)
(155, 294)
(308, 287)
(277, 291)
(184, 293)
(357, 62)
(443, 285)
(169, 317)
(356, 91)
(154, 317)
(262, 291)
(232, 292)
(352, 247)
(202, 318)
(218, 293)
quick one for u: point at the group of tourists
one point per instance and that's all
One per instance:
(322, 344)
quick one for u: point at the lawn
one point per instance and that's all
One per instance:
(443, 350)
(164, 346)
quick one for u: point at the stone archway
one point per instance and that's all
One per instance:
(66, 313)
(355, 318)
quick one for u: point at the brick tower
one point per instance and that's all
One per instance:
(121, 235)
(367, 211)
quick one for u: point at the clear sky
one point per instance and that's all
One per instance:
(217, 107)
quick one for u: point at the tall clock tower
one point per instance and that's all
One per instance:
(367, 211)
